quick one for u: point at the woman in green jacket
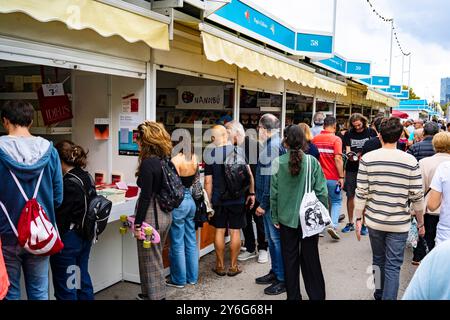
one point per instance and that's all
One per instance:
(288, 185)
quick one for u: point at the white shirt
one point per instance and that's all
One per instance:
(441, 183)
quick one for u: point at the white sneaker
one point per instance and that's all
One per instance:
(243, 249)
(263, 256)
(244, 256)
(333, 233)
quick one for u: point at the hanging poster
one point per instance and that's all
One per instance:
(130, 103)
(54, 104)
(101, 128)
(128, 123)
(200, 97)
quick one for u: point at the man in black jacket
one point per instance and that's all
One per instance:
(425, 149)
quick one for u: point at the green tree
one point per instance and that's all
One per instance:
(412, 94)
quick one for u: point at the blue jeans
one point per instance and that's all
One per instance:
(273, 237)
(71, 278)
(388, 250)
(35, 270)
(336, 202)
(183, 251)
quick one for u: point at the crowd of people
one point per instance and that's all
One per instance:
(392, 174)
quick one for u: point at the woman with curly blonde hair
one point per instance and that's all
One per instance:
(154, 144)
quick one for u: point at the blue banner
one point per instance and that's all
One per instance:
(367, 81)
(241, 17)
(393, 89)
(347, 68)
(380, 81)
(314, 43)
(358, 68)
(403, 96)
(255, 22)
(336, 63)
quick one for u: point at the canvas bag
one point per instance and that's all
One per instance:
(4, 280)
(35, 232)
(314, 216)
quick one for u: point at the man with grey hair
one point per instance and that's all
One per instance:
(425, 149)
(318, 120)
(269, 135)
(238, 137)
(236, 132)
(418, 124)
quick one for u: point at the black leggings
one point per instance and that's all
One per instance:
(304, 253)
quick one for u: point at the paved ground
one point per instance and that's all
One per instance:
(345, 265)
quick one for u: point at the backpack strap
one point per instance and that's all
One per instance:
(9, 219)
(80, 183)
(21, 188)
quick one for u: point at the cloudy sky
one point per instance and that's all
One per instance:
(423, 27)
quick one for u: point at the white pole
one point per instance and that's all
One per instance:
(409, 71)
(283, 110)
(334, 21)
(237, 97)
(403, 69)
(390, 56)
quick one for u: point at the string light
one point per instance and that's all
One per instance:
(383, 18)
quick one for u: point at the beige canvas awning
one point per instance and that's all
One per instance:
(381, 98)
(217, 49)
(104, 19)
(330, 86)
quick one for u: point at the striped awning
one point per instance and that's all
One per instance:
(105, 19)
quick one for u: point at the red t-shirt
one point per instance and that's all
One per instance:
(329, 146)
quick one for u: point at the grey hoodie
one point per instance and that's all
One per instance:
(25, 150)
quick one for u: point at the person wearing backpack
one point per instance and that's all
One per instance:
(30, 168)
(288, 188)
(69, 218)
(225, 166)
(155, 146)
(183, 251)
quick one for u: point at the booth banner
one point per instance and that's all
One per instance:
(204, 96)
(54, 108)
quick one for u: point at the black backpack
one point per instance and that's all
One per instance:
(97, 211)
(172, 190)
(236, 176)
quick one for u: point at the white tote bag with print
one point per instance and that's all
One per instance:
(314, 216)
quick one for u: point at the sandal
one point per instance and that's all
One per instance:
(219, 271)
(234, 271)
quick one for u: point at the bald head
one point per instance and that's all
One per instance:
(219, 135)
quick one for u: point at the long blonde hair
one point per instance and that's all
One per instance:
(306, 131)
(155, 142)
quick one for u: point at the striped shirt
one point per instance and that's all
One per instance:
(389, 179)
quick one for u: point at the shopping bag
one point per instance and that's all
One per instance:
(314, 216)
(4, 280)
(413, 235)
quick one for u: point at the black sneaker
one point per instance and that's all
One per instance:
(141, 296)
(341, 217)
(267, 279)
(275, 289)
(169, 283)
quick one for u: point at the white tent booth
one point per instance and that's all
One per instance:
(99, 65)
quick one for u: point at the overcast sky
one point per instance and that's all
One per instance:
(423, 27)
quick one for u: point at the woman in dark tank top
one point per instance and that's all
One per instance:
(183, 251)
